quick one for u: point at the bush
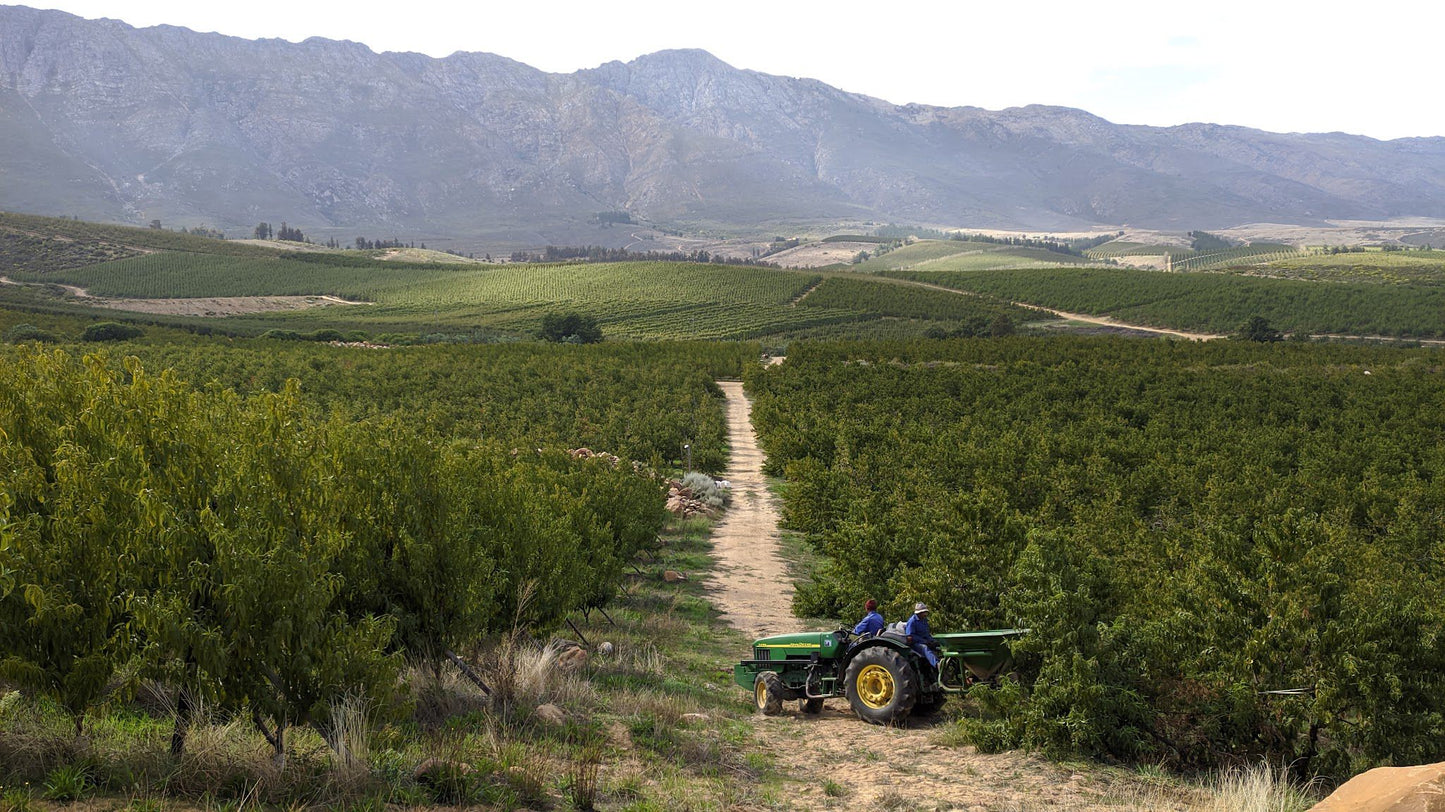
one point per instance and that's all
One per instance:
(326, 335)
(570, 328)
(111, 331)
(282, 335)
(29, 332)
(705, 488)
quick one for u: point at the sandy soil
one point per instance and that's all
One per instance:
(816, 255)
(905, 768)
(1153, 262)
(750, 584)
(838, 760)
(217, 306)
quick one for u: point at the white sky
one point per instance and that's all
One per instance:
(1373, 68)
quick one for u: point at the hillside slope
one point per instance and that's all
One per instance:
(108, 121)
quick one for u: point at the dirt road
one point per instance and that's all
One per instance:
(750, 584)
(840, 762)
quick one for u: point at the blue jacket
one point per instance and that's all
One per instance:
(872, 623)
(917, 630)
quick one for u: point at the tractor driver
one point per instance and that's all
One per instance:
(919, 635)
(872, 623)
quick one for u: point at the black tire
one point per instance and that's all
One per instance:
(812, 705)
(882, 686)
(769, 693)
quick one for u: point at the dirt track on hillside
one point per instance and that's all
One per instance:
(750, 584)
(837, 760)
(213, 306)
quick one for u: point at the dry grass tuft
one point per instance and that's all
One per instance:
(1260, 788)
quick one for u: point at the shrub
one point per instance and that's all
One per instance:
(29, 332)
(705, 488)
(110, 331)
(282, 335)
(570, 328)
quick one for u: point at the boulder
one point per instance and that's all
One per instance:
(437, 771)
(551, 714)
(572, 658)
(1390, 789)
(673, 576)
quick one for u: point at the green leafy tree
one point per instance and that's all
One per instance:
(571, 328)
(1259, 329)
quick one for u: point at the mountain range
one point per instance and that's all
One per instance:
(108, 122)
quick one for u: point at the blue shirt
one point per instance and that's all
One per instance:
(872, 623)
(917, 630)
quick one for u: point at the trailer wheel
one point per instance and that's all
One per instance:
(881, 685)
(768, 693)
(813, 705)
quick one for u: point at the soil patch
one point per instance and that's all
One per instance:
(215, 306)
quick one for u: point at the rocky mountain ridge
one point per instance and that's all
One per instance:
(106, 121)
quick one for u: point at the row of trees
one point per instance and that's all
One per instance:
(597, 253)
(267, 559)
(1224, 551)
(1213, 301)
(264, 231)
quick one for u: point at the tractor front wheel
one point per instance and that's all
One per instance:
(881, 685)
(769, 693)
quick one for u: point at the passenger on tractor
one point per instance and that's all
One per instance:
(872, 623)
(919, 635)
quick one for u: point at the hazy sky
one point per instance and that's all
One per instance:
(1374, 68)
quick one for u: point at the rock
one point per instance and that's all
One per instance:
(1396, 789)
(435, 771)
(605, 648)
(572, 658)
(673, 576)
(551, 714)
(695, 717)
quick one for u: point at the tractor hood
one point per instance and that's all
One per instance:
(803, 643)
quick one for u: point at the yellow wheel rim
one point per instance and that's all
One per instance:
(760, 693)
(875, 686)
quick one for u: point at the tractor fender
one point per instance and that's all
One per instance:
(888, 640)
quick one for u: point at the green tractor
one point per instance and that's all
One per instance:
(883, 678)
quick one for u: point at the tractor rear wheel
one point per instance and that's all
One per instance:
(882, 686)
(769, 693)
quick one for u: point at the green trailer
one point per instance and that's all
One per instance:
(881, 676)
